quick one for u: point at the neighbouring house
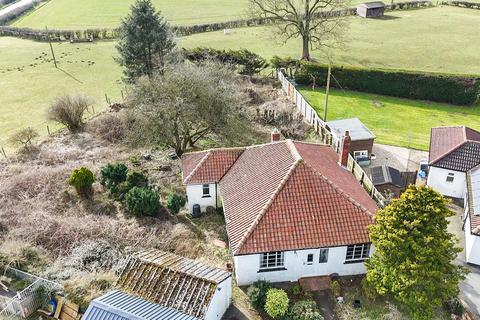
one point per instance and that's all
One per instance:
(374, 9)
(387, 179)
(157, 285)
(292, 210)
(453, 152)
(362, 138)
(472, 217)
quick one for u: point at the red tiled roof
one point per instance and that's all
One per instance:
(455, 148)
(208, 166)
(287, 196)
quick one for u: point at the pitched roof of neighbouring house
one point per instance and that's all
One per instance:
(208, 166)
(293, 195)
(118, 305)
(172, 281)
(358, 131)
(473, 189)
(385, 174)
(455, 148)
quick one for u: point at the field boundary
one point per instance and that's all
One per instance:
(463, 4)
(112, 33)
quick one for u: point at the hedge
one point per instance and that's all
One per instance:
(453, 89)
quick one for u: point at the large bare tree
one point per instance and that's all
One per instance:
(318, 22)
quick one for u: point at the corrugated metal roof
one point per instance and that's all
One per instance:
(358, 131)
(118, 305)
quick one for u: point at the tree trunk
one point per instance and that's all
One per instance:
(306, 48)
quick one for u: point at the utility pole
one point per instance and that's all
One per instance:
(51, 48)
(327, 91)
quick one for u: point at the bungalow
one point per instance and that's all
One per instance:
(361, 138)
(291, 210)
(156, 285)
(453, 152)
(472, 217)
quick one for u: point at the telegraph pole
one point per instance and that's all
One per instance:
(327, 91)
(51, 48)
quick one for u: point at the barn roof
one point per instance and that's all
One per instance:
(358, 131)
(171, 281)
(473, 189)
(455, 148)
(118, 305)
(385, 175)
(372, 5)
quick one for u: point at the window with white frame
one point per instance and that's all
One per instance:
(358, 252)
(362, 154)
(206, 190)
(450, 177)
(310, 259)
(323, 256)
(272, 260)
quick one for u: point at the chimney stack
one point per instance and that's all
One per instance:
(345, 149)
(275, 135)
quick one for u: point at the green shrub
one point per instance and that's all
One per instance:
(305, 310)
(369, 290)
(337, 290)
(276, 304)
(82, 180)
(175, 202)
(454, 89)
(142, 201)
(137, 179)
(257, 293)
(112, 175)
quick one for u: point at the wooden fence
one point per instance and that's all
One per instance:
(27, 301)
(311, 116)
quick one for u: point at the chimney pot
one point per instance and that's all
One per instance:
(275, 136)
(345, 149)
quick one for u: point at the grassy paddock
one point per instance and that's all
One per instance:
(440, 39)
(395, 121)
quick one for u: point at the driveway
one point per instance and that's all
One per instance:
(15, 6)
(470, 288)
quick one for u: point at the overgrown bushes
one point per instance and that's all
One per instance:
(175, 202)
(459, 90)
(82, 180)
(142, 201)
(305, 310)
(276, 304)
(69, 111)
(257, 293)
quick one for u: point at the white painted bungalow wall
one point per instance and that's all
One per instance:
(247, 266)
(472, 243)
(221, 300)
(437, 179)
(195, 196)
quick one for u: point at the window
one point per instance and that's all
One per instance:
(206, 190)
(272, 260)
(323, 256)
(358, 252)
(450, 177)
(360, 155)
(310, 258)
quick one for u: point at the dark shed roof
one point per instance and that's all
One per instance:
(384, 174)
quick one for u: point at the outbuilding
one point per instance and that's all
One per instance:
(374, 9)
(388, 179)
(472, 217)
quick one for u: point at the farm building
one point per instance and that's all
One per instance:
(386, 179)
(374, 9)
(292, 209)
(472, 217)
(163, 286)
(362, 138)
(453, 152)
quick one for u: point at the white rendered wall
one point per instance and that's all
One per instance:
(437, 179)
(195, 196)
(247, 266)
(472, 244)
(221, 300)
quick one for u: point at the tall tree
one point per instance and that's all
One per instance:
(315, 21)
(186, 103)
(414, 252)
(145, 39)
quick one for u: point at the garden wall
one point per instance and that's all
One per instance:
(107, 34)
(453, 89)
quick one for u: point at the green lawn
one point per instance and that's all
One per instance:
(74, 14)
(394, 121)
(29, 82)
(440, 39)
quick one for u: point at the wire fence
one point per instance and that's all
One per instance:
(311, 116)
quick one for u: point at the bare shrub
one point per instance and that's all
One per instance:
(83, 288)
(109, 126)
(69, 111)
(23, 138)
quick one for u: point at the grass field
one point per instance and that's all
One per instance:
(394, 121)
(74, 14)
(440, 39)
(29, 81)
